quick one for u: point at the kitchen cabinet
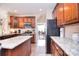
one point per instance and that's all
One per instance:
(56, 50)
(29, 20)
(11, 21)
(66, 13)
(25, 19)
(18, 22)
(33, 22)
(60, 14)
(70, 13)
(33, 38)
(23, 49)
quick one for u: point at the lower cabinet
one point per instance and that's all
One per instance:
(33, 39)
(56, 50)
(23, 49)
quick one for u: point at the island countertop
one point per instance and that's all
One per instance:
(13, 42)
(68, 45)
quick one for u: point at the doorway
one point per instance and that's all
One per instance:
(41, 34)
(40, 49)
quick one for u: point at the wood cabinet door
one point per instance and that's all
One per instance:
(29, 20)
(57, 16)
(67, 12)
(56, 49)
(33, 22)
(59, 50)
(60, 14)
(52, 48)
(70, 12)
(21, 22)
(74, 11)
(25, 19)
(33, 39)
(11, 22)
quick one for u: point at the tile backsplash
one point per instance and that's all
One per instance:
(70, 29)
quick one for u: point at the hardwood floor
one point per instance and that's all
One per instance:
(39, 51)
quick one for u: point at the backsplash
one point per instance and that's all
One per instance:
(70, 29)
(22, 30)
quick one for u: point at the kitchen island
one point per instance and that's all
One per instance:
(64, 47)
(16, 46)
(2, 37)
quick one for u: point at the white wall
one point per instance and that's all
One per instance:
(0, 30)
(5, 20)
(44, 16)
(49, 14)
(41, 17)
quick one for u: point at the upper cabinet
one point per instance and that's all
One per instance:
(25, 19)
(18, 22)
(33, 22)
(70, 13)
(66, 13)
(13, 22)
(59, 14)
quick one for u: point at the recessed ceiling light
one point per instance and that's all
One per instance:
(15, 11)
(40, 9)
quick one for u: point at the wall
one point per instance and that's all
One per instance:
(49, 14)
(22, 30)
(0, 30)
(5, 20)
(70, 29)
(41, 18)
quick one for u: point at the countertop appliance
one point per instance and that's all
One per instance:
(52, 30)
(62, 32)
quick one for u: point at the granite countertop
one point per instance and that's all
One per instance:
(11, 43)
(9, 34)
(68, 45)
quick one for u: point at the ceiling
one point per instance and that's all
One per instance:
(27, 8)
